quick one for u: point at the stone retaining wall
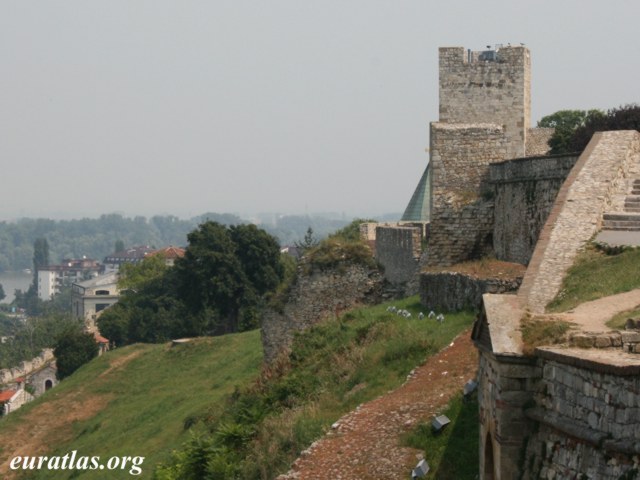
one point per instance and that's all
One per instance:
(525, 191)
(452, 291)
(589, 424)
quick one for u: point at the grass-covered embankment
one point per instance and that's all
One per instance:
(207, 400)
(133, 401)
(333, 367)
(596, 274)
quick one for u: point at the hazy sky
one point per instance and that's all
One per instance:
(293, 106)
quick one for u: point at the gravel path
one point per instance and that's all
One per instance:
(364, 444)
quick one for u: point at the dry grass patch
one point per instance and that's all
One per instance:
(540, 331)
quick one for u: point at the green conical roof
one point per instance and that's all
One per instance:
(419, 206)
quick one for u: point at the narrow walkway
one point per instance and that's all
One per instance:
(592, 316)
(366, 442)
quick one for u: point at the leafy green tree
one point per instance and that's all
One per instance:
(40, 254)
(565, 123)
(210, 275)
(308, 242)
(2, 294)
(119, 246)
(134, 276)
(72, 350)
(626, 117)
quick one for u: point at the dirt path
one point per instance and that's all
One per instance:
(592, 316)
(365, 443)
(51, 423)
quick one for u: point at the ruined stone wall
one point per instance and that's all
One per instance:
(316, 297)
(398, 251)
(524, 193)
(9, 375)
(589, 421)
(475, 91)
(453, 291)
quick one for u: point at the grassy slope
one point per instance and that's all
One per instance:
(150, 395)
(152, 389)
(595, 275)
(333, 367)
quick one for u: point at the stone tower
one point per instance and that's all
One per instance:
(485, 105)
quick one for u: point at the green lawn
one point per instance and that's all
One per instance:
(333, 367)
(153, 395)
(203, 399)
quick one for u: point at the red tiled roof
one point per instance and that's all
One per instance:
(6, 395)
(99, 338)
(170, 252)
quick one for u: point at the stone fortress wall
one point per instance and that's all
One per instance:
(27, 367)
(315, 297)
(484, 119)
(524, 192)
(488, 87)
(398, 248)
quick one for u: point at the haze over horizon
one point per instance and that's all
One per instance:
(182, 108)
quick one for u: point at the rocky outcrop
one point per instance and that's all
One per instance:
(317, 296)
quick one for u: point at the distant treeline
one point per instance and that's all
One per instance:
(96, 237)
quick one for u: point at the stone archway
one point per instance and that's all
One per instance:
(489, 464)
(48, 384)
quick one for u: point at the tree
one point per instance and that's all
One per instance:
(134, 276)
(40, 254)
(72, 350)
(226, 271)
(565, 123)
(308, 243)
(626, 117)
(2, 294)
(119, 246)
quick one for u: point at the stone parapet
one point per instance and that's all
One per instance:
(599, 175)
(453, 291)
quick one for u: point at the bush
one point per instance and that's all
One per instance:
(622, 118)
(332, 253)
(73, 349)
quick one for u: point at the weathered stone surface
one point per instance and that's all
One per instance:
(525, 190)
(597, 178)
(452, 291)
(316, 297)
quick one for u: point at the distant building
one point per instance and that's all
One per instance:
(52, 278)
(170, 254)
(130, 255)
(90, 297)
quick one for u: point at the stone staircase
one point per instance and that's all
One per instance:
(629, 219)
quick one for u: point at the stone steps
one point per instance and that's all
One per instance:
(629, 221)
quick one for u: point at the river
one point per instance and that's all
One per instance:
(12, 280)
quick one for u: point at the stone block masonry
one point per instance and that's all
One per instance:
(453, 291)
(478, 91)
(398, 251)
(598, 176)
(589, 421)
(525, 191)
